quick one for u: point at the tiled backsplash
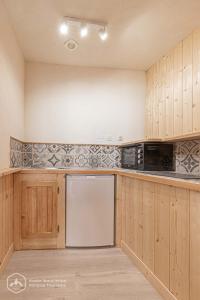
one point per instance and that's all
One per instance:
(16, 154)
(37, 155)
(187, 156)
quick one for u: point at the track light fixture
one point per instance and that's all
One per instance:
(84, 26)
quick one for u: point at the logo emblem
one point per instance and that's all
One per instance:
(16, 283)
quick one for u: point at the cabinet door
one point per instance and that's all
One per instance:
(196, 80)
(162, 218)
(148, 224)
(38, 212)
(178, 89)
(179, 243)
(194, 245)
(187, 84)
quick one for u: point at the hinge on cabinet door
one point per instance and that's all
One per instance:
(58, 190)
(58, 228)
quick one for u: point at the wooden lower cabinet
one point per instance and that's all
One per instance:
(6, 219)
(161, 243)
(179, 243)
(147, 223)
(38, 212)
(194, 245)
(156, 230)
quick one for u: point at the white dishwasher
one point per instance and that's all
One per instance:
(89, 210)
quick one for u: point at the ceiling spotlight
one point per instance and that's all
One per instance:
(84, 30)
(64, 28)
(103, 34)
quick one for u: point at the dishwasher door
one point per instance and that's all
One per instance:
(90, 210)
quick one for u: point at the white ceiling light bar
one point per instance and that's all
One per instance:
(84, 26)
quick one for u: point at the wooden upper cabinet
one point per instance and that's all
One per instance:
(187, 84)
(39, 210)
(173, 92)
(178, 89)
(196, 80)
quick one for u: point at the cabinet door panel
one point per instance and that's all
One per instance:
(162, 107)
(179, 243)
(196, 80)
(39, 210)
(194, 245)
(169, 89)
(129, 211)
(178, 89)
(138, 218)
(187, 84)
(162, 219)
(148, 224)
(123, 205)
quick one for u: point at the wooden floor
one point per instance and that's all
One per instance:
(94, 274)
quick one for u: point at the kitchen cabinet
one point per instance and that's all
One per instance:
(161, 242)
(179, 242)
(156, 234)
(194, 245)
(148, 219)
(173, 92)
(6, 218)
(37, 211)
(138, 218)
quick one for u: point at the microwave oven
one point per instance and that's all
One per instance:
(148, 157)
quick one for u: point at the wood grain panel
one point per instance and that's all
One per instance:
(148, 224)
(196, 80)
(149, 104)
(173, 91)
(162, 233)
(6, 217)
(123, 200)
(178, 89)
(179, 243)
(118, 212)
(187, 84)
(194, 245)
(155, 101)
(169, 94)
(138, 218)
(132, 196)
(162, 107)
(128, 235)
(39, 210)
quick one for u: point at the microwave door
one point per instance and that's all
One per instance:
(129, 158)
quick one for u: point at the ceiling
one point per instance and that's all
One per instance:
(140, 31)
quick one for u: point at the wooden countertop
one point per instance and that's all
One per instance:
(8, 171)
(176, 182)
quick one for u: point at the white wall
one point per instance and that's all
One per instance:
(11, 88)
(83, 105)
